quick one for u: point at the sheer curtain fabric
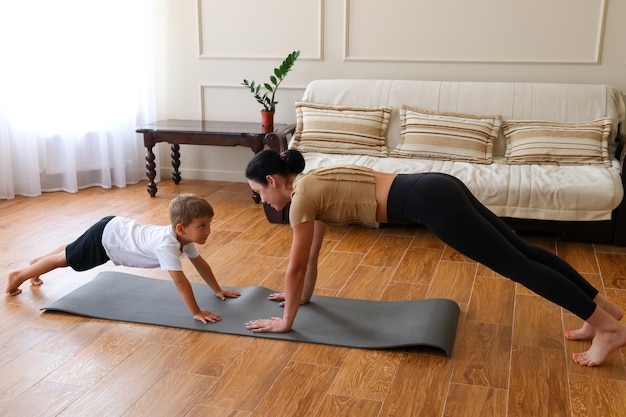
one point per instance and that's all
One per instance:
(75, 81)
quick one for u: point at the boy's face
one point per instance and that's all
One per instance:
(197, 231)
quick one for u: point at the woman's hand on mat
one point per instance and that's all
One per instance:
(206, 316)
(278, 296)
(273, 325)
(223, 294)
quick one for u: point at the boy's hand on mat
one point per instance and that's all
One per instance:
(206, 316)
(227, 293)
(273, 325)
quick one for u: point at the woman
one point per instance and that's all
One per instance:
(350, 194)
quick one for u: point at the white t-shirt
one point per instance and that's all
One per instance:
(130, 243)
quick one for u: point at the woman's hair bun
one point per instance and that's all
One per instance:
(294, 160)
(269, 162)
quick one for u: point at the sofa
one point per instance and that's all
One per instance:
(545, 157)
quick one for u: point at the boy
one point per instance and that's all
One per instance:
(129, 243)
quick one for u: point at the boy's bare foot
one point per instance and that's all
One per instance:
(13, 286)
(586, 332)
(604, 343)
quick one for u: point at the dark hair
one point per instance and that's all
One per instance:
(269, 162)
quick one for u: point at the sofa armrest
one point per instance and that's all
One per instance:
(619, 214)
(277, 140)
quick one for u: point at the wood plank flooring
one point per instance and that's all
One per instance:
(510, 358)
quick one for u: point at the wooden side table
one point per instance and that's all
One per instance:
(215, 133)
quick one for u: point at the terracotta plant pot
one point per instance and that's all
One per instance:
(267, 120)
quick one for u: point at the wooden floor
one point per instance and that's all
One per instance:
(510, 356)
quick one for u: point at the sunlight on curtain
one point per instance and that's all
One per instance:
(75, 81)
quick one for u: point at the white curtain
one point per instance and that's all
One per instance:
(75, 82)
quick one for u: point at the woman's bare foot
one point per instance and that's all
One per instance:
(586, 332)
(604, 343)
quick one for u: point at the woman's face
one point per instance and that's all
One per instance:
(276, 193)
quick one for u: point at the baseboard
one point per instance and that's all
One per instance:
(205, 175)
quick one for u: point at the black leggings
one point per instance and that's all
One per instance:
(444, 205)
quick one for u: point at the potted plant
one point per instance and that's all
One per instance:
(267, 97)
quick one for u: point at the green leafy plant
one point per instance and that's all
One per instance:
(266, 98)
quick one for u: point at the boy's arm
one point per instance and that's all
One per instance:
(207, 275)
(186, 293)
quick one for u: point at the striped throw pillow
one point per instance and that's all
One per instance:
(341, 129)
(446, 136)
(544, 142)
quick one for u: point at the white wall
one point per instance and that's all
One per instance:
(204, 48)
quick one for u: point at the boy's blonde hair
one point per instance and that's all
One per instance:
(187, 207)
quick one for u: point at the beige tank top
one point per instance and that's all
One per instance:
(334, 195)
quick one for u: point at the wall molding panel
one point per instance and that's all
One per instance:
(528, 31)
(235, 103)
(252, 29)
(203, 49)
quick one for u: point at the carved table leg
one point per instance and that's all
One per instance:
(151, 172)
(175, 162)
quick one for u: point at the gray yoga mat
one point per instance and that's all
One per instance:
(326, 320)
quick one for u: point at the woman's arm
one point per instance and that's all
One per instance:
(311, 271)
(294, 281)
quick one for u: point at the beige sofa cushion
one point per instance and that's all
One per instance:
(446, 136)
(543, 142)
(527, 191)
(341, 129)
